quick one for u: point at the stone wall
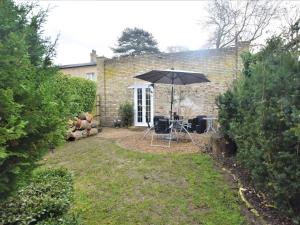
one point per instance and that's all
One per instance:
(116, 75)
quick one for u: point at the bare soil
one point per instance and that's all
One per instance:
(135, 140)
(260, 201)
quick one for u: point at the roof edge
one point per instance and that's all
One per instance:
(77, 65)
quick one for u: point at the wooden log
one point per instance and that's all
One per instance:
(82, 116)
(89, 117)
(93, 131)
(78, 134)
(85, 125)
(84, 133)
(78, 123)
(94, 124)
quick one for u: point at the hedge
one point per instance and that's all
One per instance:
(45, 200)
(261, 113)
(80, 93)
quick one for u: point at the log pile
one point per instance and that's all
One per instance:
(82, 126)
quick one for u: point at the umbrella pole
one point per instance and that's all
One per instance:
(172, 97)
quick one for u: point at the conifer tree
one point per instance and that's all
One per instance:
(136, 41)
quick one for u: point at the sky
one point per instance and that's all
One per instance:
(86, 25)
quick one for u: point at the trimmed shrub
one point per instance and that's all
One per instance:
(261, 114)
(47, 197)
(126, 114)
(78, 94)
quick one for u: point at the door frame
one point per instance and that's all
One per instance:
(143, 87)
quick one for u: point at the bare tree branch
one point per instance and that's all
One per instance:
(241, 20)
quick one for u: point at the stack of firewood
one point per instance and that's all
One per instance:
(82, 126)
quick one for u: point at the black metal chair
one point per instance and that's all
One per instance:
(162, 128)
(199, 124)
(155, 119)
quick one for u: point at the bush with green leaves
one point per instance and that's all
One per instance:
(126, 114)
(31, 118)
(35, 101)
(261, 113)
(77, 94)
(47, 198)
(69, 219)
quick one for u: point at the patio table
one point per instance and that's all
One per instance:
(179, 126)
(176, 127)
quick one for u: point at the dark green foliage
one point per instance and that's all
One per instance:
(136, 41)
(30, 116)
(46, 198)
(35, 101)
(126, 114)
(77, 94)
(72, 219)
(262, 115)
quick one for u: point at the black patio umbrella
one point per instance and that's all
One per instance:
(173, 77)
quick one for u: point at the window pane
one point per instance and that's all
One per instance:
(148, 105)
(90, 76)
(139, 105)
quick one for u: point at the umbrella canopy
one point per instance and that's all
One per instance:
(173, 77)
(176, 77)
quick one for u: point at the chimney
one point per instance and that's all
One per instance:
(93, 56)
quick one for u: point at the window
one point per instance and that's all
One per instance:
(91, 76)
(139, 105)
(148, 105)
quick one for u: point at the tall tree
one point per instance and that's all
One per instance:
(136, 41)
(32, 111)
(290, 24)
(234, 21)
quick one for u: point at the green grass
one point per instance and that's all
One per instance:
(118, 186)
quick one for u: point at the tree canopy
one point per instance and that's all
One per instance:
(34, 101)
(135, 41)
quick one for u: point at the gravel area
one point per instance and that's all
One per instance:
(134, 140)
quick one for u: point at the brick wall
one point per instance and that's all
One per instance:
(116, 75)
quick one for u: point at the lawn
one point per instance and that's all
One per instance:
(119, 186)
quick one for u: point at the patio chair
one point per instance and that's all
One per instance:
(162, 129)
(155, 119)
(181, 127)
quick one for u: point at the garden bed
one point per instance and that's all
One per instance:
(258, 201)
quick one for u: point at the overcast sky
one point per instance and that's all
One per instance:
(87, 25)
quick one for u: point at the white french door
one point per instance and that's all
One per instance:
(143, 105)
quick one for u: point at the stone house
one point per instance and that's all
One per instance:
(116, 83)
(84, 70)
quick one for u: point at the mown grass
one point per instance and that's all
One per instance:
(118, 186)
